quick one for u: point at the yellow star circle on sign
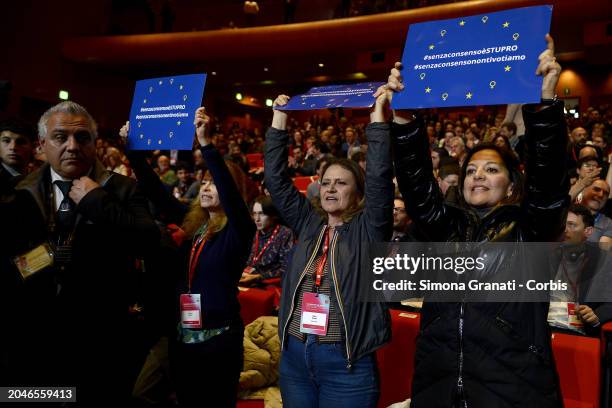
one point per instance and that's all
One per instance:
(468, 95)
(427, 90)
(507, 68)
(506, 24)
(431, 47)
(462, 23)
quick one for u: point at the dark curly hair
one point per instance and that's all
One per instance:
(511, 164)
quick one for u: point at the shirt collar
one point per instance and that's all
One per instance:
(11, 170)
(55, 176)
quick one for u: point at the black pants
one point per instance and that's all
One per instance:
(207, 374)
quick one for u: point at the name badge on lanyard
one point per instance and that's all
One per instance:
(191, 311)
(315, 306)
(572, 317)
(191, 303)
(315, 313)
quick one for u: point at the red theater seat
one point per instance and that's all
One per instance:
(255, 303)
(255, 159)
(396, 359)
(578, 361)
(606, 354)
(250, 404)
(301, 183)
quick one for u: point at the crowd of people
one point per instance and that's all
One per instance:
(111, 257)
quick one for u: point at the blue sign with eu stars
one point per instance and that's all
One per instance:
(335, 96)
(163, 110)
(487, 59)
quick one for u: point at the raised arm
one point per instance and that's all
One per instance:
(414, 170)
(379, 188)
(236, 210)
(152, 187)
(294, 208)
(547, 185)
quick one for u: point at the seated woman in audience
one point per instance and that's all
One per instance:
(437, 154)
(271, 246)
(206, 359)
(502, 142)
(333, 364)
(481, 355)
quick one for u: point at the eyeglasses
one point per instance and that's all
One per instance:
(589, 165)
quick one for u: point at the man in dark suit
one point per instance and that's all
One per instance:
(72, 317)
(584, 306)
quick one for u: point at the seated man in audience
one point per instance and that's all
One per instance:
(359, 157)
(571, 310)
(448, 175)
(184, 182)
(70, 318)
(588, 170)
(457, 149)
(166, 174)
(317, 151)
(16, 149)
(350, 141)
(296, 161)
(594, 197)
(401, 220)
(312, 191)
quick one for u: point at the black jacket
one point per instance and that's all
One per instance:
(70, 325)
(490, 354)
(367, 325)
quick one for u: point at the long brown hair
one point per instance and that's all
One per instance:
(359, 175)
(198, 218)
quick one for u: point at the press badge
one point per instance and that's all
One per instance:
(191, 311)
(315, 314)
(572, 317)
(33, 261)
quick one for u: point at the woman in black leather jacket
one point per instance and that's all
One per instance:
(334, 366)
(488, 354)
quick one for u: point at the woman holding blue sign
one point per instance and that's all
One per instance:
(328, 336)
(206, 358)
(488, 354)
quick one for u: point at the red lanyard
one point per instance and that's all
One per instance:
(257, 257)
(321, 266)
(196, 249)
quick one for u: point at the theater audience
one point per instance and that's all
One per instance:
(114, 162)
(448, 175)
(312, 191)
(271, 245)
(594, 197)
(437, 154)
(165, 172)
(588, 171)
(401, 220)
(183, 183)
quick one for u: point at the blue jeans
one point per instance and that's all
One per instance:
(315, 376)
